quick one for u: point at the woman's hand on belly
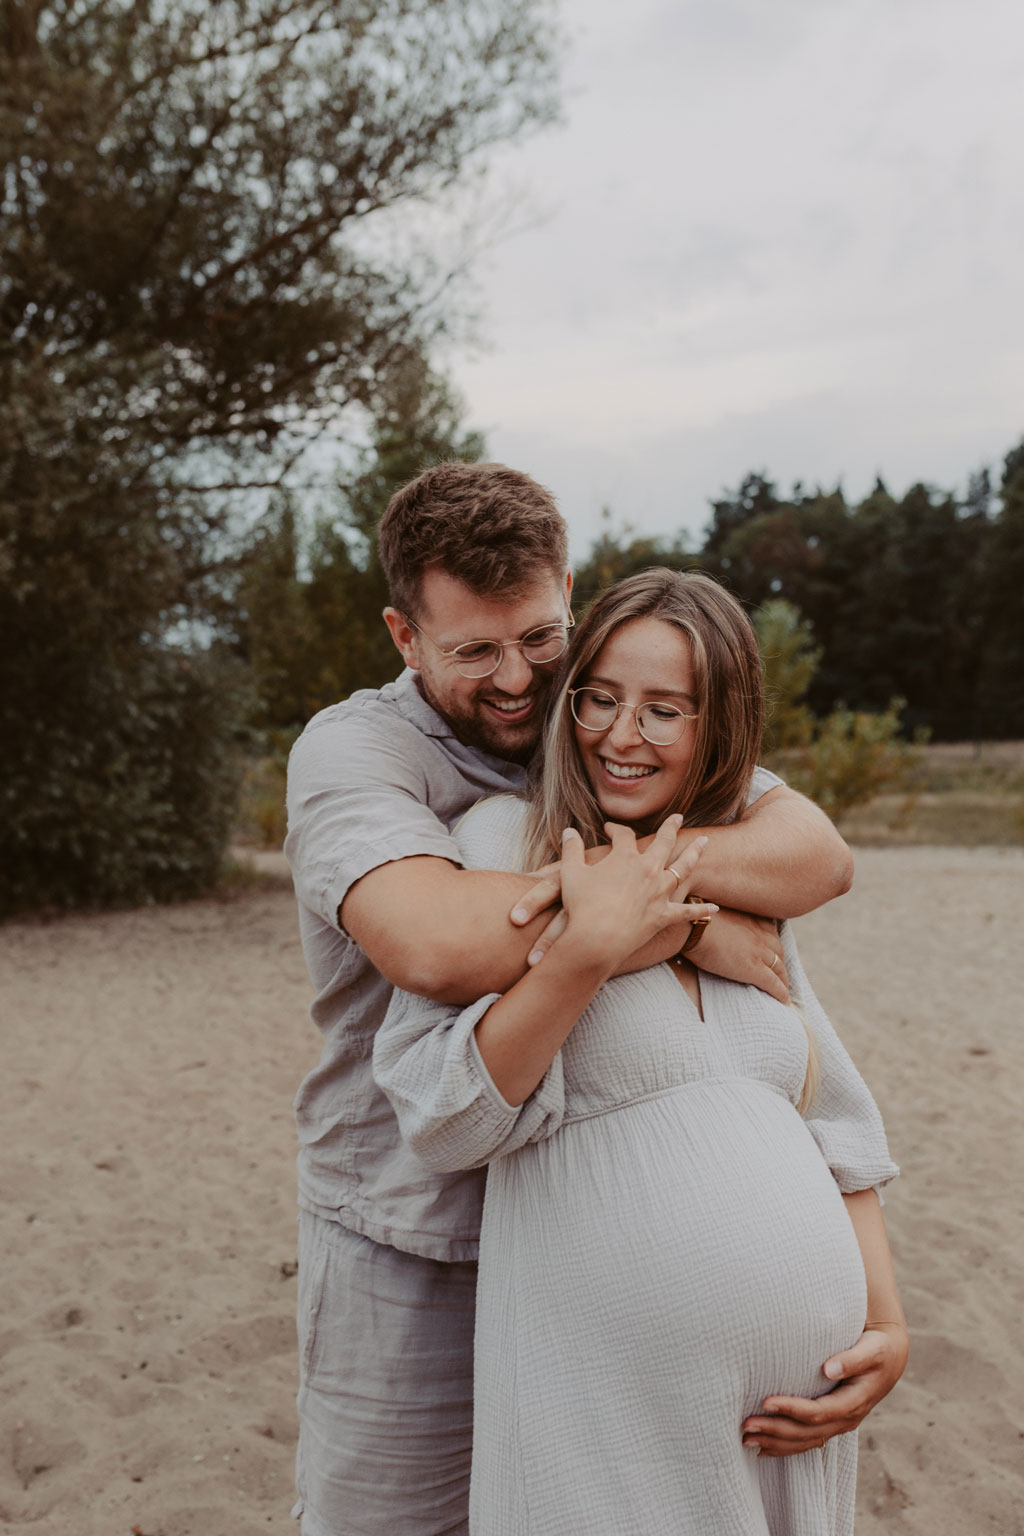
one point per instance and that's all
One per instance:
(867, 1372)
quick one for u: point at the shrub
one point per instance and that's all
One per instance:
(124, 795)
(790, 661)
(262, 813)
(852, 757)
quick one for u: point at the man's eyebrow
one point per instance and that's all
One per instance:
(654, 692)
(493, 639)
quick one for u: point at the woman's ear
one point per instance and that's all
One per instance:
(404, 636)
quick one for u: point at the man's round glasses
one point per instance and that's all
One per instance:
(479, 658)
(660, 724)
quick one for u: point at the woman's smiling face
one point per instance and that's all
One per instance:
(643, 661)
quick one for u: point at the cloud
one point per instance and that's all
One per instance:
(784, 237)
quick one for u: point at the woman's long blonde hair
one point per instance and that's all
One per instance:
(728, 678)
(729, 684)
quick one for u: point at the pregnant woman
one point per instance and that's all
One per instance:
(681, 1216)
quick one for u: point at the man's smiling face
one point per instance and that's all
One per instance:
(500, 714)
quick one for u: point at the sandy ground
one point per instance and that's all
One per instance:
(147, 1379)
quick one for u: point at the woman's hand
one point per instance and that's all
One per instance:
(614, 906)
(744, 948)
(867, 1372)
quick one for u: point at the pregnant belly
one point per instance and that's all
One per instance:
(693, 1238)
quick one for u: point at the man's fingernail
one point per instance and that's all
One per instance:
(569, 832)
(534, 956)
(519, 914)
(833, 1369)
(702, 842)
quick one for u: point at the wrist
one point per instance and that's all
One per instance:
(697, 927)
(584, 951)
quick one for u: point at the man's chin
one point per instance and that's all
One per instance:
(515, 743)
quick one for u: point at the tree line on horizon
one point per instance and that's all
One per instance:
(918, 598)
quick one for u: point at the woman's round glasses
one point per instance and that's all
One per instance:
(479, 658)
(659, 723)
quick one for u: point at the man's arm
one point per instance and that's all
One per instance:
(444, 933)
(441, 931)
(781, 859)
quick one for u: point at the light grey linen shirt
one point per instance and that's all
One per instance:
(377, 778)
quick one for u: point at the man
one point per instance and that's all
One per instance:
(477, 565)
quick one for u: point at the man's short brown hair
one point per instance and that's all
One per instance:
(490, 527)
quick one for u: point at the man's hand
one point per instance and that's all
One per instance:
(744, 948)
(867, 1372)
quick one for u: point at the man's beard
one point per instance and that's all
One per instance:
(515, 744)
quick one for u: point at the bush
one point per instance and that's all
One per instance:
(790, 659)
(126, 794)
(852, 757)
(262, 813)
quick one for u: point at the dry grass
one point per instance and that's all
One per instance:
(962, 794)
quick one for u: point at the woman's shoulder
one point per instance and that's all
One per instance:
(490, 835)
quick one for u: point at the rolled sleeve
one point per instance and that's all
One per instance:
(342, 825)
(843, 1119)
(451, 1115)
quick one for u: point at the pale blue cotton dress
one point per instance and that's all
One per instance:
(664, 1244)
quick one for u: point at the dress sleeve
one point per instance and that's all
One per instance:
(843, 1117)
(425, 1056)
(426, 1060)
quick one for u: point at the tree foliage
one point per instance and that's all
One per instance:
(615, 555)
(204, 270)
(311, 598)
(917, 597)
(843, 760)
(790, 659)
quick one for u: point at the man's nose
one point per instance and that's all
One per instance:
(514, 673)
(624, 732)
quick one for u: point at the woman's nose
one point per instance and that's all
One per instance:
(624, 732)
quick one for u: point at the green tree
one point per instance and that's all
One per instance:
(1001, 630)
(842, 760)
(892, 589)
(790, 659)
(205, 268)
(311, 600)
(616, 554)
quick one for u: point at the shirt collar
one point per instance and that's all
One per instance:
(410, 702)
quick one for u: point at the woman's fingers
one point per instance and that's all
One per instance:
(544, 894)
(572, 849)
(773, 981)
(554, 930)
(619, 836)
(663, 843)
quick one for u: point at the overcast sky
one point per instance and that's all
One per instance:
(780, 235)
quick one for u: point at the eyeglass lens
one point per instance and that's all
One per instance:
(478, 658)
(660, 724)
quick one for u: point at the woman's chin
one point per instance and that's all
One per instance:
(642, 819)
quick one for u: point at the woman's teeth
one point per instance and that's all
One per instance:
(626, 770)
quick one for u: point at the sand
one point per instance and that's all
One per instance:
(147, 1377)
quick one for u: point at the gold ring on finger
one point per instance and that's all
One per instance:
(679, 878)
(774, 961)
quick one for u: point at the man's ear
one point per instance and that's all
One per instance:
(404, 636)
(568, 587)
